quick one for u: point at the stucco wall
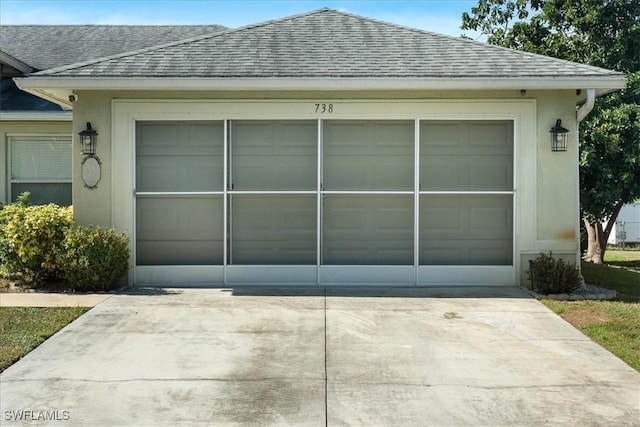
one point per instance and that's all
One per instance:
(34, 128)
(553, 219)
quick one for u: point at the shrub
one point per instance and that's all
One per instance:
(549, 275)
(31, 238)
(94, 259)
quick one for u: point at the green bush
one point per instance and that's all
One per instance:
(549, 275)
(94, 259)
(31, 239)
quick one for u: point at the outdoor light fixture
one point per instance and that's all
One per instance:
(88, 139)
(559, 137)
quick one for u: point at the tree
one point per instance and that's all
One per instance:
(603, 33)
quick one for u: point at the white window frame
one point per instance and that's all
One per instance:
(10, 180)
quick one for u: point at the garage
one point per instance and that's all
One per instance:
(323, 201)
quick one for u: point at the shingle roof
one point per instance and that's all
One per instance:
(328, 43)
(49, 46)
(13, 99)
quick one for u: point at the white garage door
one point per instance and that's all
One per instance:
(324, 200)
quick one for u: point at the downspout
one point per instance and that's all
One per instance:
(588, 105)
(580, 115)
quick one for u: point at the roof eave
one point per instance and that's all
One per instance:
(56, 87)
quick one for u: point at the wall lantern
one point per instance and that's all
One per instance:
(559, 137)
(88, 139)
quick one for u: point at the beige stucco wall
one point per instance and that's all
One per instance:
(8, 128)
(555, 182)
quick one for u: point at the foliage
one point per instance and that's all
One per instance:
(39, 244)
(595, 32)
(610, 152)
(94, 258)
(22, 329)
(549, 275)
(31, 237)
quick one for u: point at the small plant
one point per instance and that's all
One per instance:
(94, 259)
(549, 275)
(30, 239)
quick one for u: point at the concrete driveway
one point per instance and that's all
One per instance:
(316, 356)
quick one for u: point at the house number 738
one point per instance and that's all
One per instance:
(324, 108)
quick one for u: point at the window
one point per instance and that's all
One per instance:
(40, 165)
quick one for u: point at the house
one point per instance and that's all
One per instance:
(35, 134)
(329, 148)
(626, 229)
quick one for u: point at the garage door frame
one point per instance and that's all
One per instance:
(521, 112)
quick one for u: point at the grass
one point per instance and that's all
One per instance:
(24, 328)
(613, 324)
(628, 258)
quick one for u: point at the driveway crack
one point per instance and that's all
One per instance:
(326, 376)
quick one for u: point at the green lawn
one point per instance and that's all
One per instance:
(613, 324)
(22, 329)
(627, 258)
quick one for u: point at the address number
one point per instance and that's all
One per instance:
(324, 108)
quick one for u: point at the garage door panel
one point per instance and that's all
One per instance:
(363, 229)
(165, 227)
(368, 155)
(272, 229)
(473, 229)
(179, 156)
(274, 155)
(470, 155)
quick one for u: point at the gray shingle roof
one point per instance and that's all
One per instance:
(328, 43)
(49, 46)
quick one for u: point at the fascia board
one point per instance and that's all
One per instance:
(27, 116)
(15, 63)
(601, 83)
(58, 89)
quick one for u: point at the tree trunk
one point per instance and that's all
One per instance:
(611, 222)
(595, 244)
(598, 238)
